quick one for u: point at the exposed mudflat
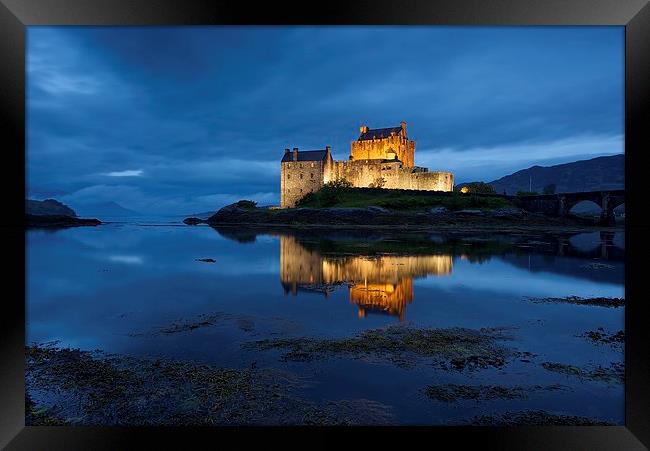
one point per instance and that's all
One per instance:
(577, 300)
(535, 418)
(455, 348)
(450, 393)
(601, 337)
(85, 388)
(612, 374)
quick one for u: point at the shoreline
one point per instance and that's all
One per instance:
(58, 221)
(377, 218)
(502, 228)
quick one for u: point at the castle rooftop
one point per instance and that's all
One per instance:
(378, 133)
(304, 155)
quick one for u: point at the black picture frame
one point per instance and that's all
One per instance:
(16, 15)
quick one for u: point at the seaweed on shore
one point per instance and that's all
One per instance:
(95, 389)
(178, 326)
(453, 392)
(600, 337)
(42, 415)
(596, 265)
(245, 323)
(348, 412)
(613, 374)
(536, 418)
(455, 348)
(577, 300)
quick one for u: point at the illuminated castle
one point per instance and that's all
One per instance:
(381, 158)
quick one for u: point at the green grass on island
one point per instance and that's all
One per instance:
(331, 195)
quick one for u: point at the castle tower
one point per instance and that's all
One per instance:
(384, 144)
(302, 172)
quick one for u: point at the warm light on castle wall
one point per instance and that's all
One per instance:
(386, 154)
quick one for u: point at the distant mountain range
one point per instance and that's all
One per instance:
(98, 209)
(54, 207)
(601, 173)
(204, 215)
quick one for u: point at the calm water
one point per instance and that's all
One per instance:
(112, 287)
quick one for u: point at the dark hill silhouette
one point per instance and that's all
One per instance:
(48, 207)
(601, 173)
(109, 208)
(51, 213)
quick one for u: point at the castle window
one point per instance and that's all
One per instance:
(288, 176)
(312, 175)
(301, 175)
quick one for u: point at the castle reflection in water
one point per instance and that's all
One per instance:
(382, 284)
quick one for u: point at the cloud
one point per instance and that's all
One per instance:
(127, 259)
(204, 113)
(125, 195)
(126, 173)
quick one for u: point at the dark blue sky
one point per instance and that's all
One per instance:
(187, 119)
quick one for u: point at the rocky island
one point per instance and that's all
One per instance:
(334, 206)
(52, 213)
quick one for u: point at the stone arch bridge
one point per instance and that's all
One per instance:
(560, 204)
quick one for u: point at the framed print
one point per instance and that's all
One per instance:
(374, 219)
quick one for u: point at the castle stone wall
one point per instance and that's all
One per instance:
(362, 173)
(298, 178)
(385, 155)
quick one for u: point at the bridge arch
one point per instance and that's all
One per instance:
(617, 202)
(584, 206)
(619, 210)
(562, 203)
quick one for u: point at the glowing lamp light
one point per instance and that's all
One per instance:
(464, 190)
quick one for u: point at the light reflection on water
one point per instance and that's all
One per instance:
(106, 287)
(382, 283)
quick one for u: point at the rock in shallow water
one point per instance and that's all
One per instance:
(193, 221)
(473, 212)
(375, 209)
(438, 210)
(507, 212)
